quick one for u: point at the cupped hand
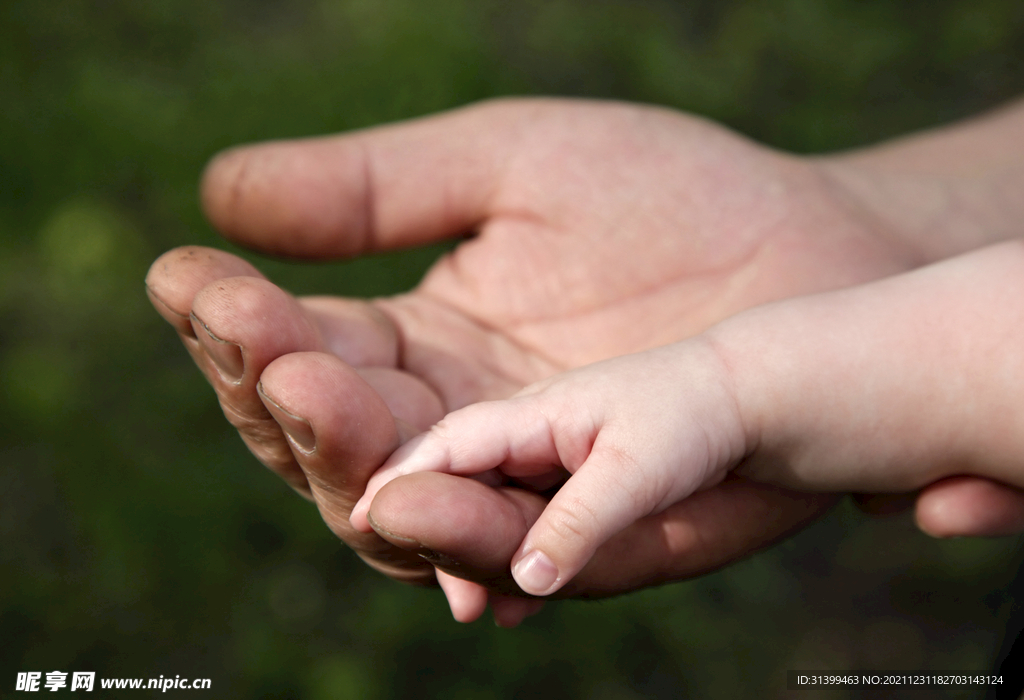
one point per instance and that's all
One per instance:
(595, 230)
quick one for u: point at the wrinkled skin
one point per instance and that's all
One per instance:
(598, 230)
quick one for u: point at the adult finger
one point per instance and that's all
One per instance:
(354, 330)
(480, 530)
(966, 506)
(233, 323)
(700, 534)
(380, 188)
(176, 277)
(483, 527)
(232, 343)
(340, 430)
(243, 324)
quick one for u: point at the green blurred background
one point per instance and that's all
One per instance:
(137, 535)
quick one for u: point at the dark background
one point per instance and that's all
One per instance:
(137, 535)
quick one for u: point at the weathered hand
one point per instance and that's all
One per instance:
(599, 230)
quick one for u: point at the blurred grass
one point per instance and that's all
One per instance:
(139, 538)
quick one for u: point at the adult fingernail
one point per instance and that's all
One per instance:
(535, 573)
(227, 356)
(387, 534)
(298, 430)
(438, 559)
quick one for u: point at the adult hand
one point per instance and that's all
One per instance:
(600, 229)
